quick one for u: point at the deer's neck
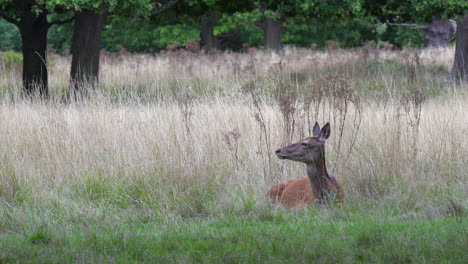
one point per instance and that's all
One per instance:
(318, 175)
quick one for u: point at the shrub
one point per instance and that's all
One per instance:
(12, 60)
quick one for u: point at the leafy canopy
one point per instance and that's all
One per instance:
(120, 7)
(416, 11)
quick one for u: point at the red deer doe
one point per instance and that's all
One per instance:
(319, 184)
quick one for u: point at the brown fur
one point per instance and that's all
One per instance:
(294, 194)
(298, 193)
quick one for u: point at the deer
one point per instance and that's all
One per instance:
(319, 185)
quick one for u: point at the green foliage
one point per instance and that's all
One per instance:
(169, 34)
(426, 9)
(60, 37)
(308, 21)
(400, 36)
(12, 60)
(12, 57)
(347, 32)
(406, 37)
(312, 8)
(416, 11)
(146, 36)
(243, 24)
(301, 31)
(121, 7)
(380, 30)
(10, 37)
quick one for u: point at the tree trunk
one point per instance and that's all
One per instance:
(438, 33)
(86, 48)
(272, 31)
(34, 47)
(208, 39)
(460, 64)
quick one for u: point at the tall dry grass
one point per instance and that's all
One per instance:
(163, 76)
(193, 135)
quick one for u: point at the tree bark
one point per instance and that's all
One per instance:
(86, 49)
(272, 31)
(208, 39)
(460, 65)
(438, 33)
(33, 31)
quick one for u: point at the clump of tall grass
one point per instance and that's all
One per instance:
(163, 77)
(141, 155)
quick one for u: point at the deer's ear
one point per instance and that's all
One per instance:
(325, 132)
(316, 130)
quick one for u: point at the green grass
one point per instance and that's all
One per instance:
(105, 221)
(316, 235)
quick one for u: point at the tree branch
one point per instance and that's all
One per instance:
(4, 15)
(408, 25)
(418, 26)
(61, 22)
(164, 7)
(260, 24)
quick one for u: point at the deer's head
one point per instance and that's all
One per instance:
(308, 150)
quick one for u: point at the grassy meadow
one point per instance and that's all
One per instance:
(170, 160)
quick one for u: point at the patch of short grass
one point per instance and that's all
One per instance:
(311, 236)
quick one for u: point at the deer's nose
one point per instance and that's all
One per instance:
(277, 151)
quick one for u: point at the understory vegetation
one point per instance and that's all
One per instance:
(170, 160)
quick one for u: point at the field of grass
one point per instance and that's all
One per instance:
(170, 161)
